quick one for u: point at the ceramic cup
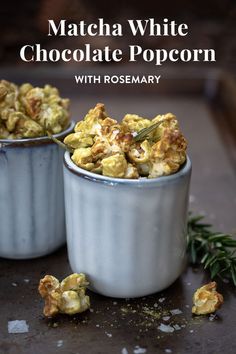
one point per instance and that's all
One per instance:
(32, 221)
(127, 236)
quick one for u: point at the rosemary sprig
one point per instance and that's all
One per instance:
(215, 251)
(145, 131)
(59, 142)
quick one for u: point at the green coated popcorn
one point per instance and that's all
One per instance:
(82, 157)
(170, 122)
(140, 153)
(24, 88)
(28, 128)
(3, 131)
(114, 166)
(74, 299)
(131, 172)
(136, 147)
(68, 297)
(91, 124)
(27, 111)
(135, 123)
(78, 140)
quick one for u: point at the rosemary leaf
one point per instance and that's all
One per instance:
(204, 258)
(233, 274)
(142, 134)
(210, 260)
(215, 269)
(60, 143)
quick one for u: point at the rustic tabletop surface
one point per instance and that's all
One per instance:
(135, 325)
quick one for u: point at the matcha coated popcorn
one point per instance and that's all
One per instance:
(68, 297)
(27, 111)
(135, 147)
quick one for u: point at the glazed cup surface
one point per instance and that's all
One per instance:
(127, 236)
(32, 221)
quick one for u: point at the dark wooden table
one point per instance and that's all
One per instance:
(131, 325)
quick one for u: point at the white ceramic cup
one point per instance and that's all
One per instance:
(32, 221)
(127, 236)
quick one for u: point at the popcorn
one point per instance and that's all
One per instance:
(114, 166)
(206, 299)
(66, 297)
(26, 111)
(91, 124)
(78, 140)
(140, 153)
(168, 153)
(82, 157)
(135, 123)
(104, 146)
(131, 172)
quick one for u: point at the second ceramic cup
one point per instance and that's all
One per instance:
(32, 221)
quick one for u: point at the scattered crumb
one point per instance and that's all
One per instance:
(212, 317)
(18, 326)
(165, 328)
(166, 318)
(189, 283)
(177, 327)
(123, 309)
(26, 280)
(59, 343)
(91, 310)
(191, 331)
(161, 299)
(114, 303)
(155, 305)
(168, 351)
(176, 312)
(108, 334)
(124, 351)
(151, 313)
(14, 284)
(139, 350)
(97, 325)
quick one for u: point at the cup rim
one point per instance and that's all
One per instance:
(80, 172)
(37, 140)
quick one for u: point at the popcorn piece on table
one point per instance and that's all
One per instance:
(206, 299)
(66, 297)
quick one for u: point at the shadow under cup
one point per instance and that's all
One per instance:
(32, 221)
(127, 236)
